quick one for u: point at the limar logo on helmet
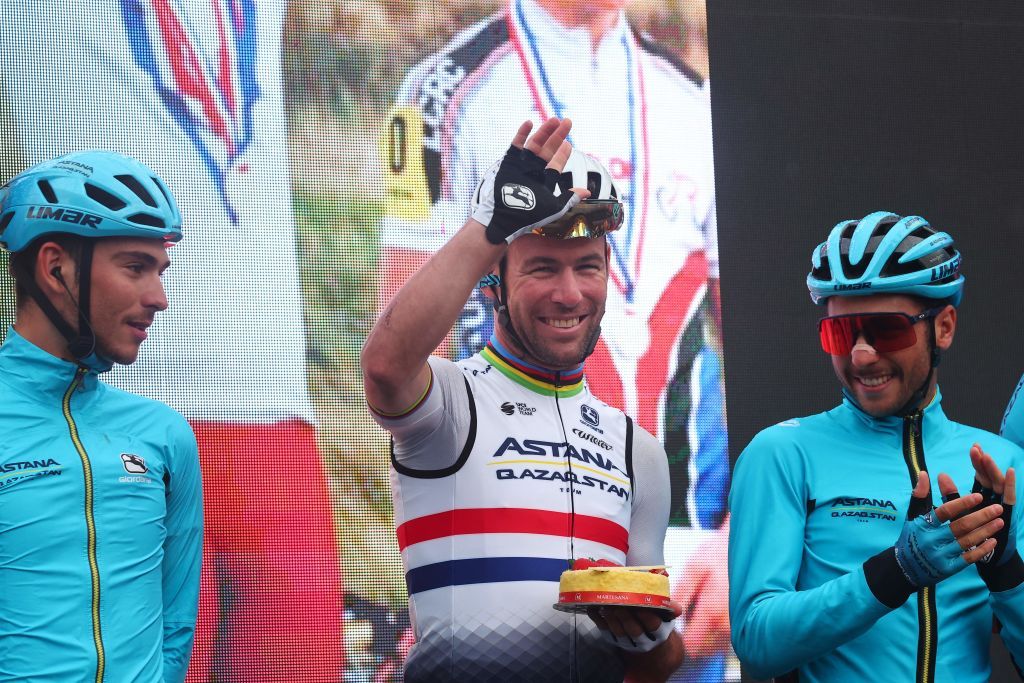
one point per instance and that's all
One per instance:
(518, 197)
(64, 215)
(946, 270)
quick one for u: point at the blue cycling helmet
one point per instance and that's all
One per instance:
(886, 254)
(92, 193)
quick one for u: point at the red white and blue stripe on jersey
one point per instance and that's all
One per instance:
(441, 527)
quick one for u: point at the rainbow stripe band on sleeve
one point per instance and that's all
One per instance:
(408, 411)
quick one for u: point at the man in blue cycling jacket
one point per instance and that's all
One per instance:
(840, 566)
(100, 493)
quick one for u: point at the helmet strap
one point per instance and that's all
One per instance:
(914, 403)
(501, 306)
(84, 343)
(81, 342)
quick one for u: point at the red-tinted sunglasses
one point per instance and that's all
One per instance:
(884, 331)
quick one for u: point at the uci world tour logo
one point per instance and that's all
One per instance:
(201, 57)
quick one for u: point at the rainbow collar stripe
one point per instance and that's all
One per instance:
(564, 383)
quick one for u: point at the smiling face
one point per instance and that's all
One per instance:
(556, 292)
(126, 294)
(882, 383)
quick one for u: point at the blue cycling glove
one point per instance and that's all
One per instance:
(927, 551)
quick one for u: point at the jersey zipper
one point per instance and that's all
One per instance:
(927, 635)
(574, 641)
(90, 523)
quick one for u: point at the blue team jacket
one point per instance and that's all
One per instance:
(811, 500)
(100, 527)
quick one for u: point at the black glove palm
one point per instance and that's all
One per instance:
(517, 194)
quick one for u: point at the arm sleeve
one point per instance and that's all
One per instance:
(1008, 605)
(651, 497)
(775, 627)
(183, 549)
(432, 434)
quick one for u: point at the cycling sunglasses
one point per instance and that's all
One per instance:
(589, 218)
(884, 331)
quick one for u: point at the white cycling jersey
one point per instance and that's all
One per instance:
(502, 474)
(193, 90)
(647, 119)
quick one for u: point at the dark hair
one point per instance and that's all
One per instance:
(23, 262)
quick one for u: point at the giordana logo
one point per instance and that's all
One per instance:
(510, 408)
(134, 464)
(518, 196)
(864, 509)
(591, 438)
(590, 415)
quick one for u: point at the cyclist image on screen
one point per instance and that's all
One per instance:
(101, 511)
(646, 117)
(492, 491)
(194, 91)
(840, 565)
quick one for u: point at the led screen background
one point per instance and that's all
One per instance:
(266, 120)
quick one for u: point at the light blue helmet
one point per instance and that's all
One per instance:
(92, 193)
(885, 254)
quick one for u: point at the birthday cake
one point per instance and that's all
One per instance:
(600, 582)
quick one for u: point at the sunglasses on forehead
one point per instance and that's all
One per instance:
(884, 331)
(590, 218)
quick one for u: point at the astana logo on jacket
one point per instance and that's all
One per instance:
(201, 58)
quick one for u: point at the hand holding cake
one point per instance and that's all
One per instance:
(630, 605)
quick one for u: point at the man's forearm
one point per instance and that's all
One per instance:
(422, 312)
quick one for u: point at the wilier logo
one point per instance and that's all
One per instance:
(133, 464)
(591, 438)
(518, 197)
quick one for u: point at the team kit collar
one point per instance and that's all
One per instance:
(560, 383)
(615, 64)
(931, 412)
(25, 366)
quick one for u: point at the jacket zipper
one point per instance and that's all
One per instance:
(927, 636)
(90, 523)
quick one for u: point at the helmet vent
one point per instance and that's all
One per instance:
(47, 190)
(594, 183)
(101, 196)
(163, 190)
(5, 220)
(132, 183)
(147, 219)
